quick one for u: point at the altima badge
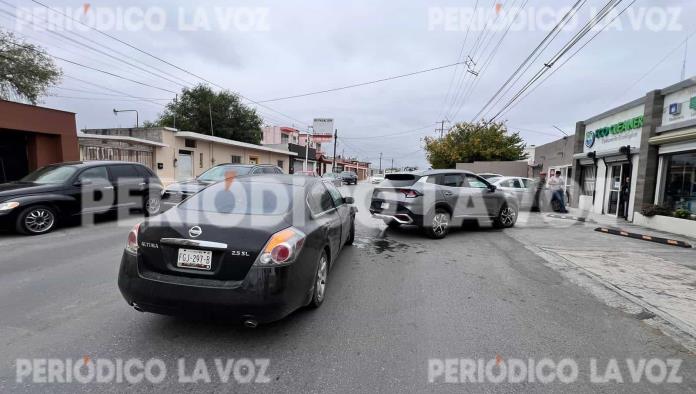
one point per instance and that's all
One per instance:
(195, 231)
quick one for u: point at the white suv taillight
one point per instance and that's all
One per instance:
(132, 243)
(283, 248)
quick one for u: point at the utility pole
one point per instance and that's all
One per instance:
(683, 70)
(333, 165)
(442, 128)
(306, 165)
(380, 162)
(210, 112)
(176, 99)
(392, 166)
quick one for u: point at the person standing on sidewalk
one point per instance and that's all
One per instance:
(556, 183)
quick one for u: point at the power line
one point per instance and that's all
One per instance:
(361, 84)
(549, 37)
(487, 62)
(389, 135)
(164, 61)
(574, 40)
(569, 58)
(97, 50)
(459, 58)
(31, 48)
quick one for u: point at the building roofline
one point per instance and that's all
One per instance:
(36, 106)
(124, 138)
(225, 141)
(687, 83)
(616, 110)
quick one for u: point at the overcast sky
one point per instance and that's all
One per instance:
(302, 46)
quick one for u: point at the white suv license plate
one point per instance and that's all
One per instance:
(195, 259)
(385, 205)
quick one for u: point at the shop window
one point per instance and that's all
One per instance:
(680, 185)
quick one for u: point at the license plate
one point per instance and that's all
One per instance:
(385, 205)
(196, 259)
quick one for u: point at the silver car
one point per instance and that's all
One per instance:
(434, 200)
(522, 188)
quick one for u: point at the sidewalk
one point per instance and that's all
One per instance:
(659, 278)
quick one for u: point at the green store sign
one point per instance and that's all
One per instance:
(617, 128)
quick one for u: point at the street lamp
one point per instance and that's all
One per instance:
(137, 122)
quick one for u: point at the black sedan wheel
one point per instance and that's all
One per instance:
(320, 281)
(439, 224)
(351, 236)
(36, 220)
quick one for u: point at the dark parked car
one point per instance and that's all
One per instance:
(39, 201)
(349, 177)
(437, 199)
(223, 251)
(179, 191)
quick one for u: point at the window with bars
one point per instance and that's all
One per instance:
(234, 159)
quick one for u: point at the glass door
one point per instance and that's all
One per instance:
(614, 189)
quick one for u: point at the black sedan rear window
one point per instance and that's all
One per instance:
(248, 198)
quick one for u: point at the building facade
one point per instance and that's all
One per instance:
(640, 154)
(32, 137)
(176, 155)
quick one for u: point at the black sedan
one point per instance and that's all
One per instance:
(61, 192)
(252, 248)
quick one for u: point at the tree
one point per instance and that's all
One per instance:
(26, 71)
(231, 119)
(469, 142)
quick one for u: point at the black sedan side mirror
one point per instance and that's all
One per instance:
(82, 182)
(348, 200)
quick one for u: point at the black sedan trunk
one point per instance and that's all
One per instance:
(234, 241)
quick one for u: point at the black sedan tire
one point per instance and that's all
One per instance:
(320, 280)
(438, 226)
(37, 219)
(351, 236)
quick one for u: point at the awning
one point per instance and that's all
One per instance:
(675, 136)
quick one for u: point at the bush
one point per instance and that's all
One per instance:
(682, 214)
(652, 210)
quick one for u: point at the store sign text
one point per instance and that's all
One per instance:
(617, 128)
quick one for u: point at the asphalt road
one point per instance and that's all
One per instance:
(395, 301)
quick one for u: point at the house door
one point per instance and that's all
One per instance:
(184, 166)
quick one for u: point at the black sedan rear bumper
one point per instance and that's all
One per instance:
(265, 294)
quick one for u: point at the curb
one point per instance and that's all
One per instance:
(643, 237)
(570, 217)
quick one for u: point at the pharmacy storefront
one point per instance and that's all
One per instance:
(608, 163)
